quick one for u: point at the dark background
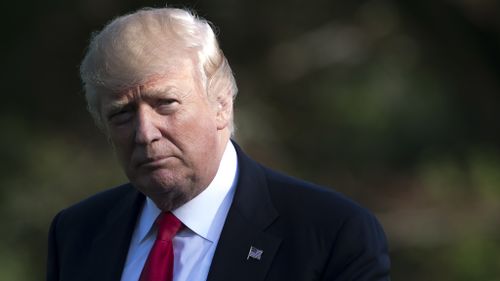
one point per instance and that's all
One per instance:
(394, 103)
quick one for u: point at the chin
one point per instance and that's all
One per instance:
(167, 192)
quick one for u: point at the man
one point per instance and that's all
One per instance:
(196, 208)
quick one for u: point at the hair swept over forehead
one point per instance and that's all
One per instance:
(134, 47)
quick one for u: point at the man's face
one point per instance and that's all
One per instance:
(166, 135)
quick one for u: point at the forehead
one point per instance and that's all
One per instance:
(179, 76)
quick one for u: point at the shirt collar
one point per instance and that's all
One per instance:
(198, 214)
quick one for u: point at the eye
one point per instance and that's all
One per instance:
(167, 105)
(120, 117)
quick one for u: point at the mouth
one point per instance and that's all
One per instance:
(154, 162)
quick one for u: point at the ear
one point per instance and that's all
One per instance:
(224, 110)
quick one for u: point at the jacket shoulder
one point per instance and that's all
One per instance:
(93, 211)
(100, 202)
(345, 238)
(295, 195)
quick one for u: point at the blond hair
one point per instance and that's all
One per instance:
(135, 47)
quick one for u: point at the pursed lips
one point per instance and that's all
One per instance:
(152, 162)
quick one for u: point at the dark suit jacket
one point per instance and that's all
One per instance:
(306, 233)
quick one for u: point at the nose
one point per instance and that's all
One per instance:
(147, 130)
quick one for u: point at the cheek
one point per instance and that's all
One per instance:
(196, 134)
(122, 145)
(196, 122)
(203, 129)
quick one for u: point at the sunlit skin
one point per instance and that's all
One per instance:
(168, 135)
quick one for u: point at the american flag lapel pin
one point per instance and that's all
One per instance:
(254, 253)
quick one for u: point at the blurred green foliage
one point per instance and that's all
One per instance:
(394, 103)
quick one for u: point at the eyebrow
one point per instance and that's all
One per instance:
(114, 106)
(166, 91)
(117, 104)
(169, 89)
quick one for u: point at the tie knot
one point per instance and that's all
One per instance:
(168, 225)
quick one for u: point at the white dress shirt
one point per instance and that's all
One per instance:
(203, 218)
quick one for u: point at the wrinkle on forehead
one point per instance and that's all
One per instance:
(151, 88)
(179, 71)
(161, 86)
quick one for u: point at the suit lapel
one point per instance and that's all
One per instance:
(251, 213)
(110, 248)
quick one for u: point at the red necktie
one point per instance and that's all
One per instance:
(160, 263)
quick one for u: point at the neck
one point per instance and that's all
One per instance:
(177, 197)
